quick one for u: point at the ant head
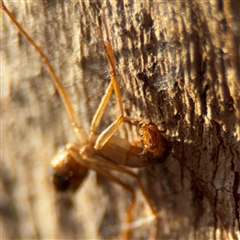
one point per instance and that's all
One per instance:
(155, 145)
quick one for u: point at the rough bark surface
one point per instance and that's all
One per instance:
(178, 65)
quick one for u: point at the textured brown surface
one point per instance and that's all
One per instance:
(178, 64)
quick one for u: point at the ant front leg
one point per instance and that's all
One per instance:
(113, 86)
(108, 132)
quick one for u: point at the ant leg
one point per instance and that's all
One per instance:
(107, 46)
(102, 166)
(67, 103)
(107, 134)
(95, 164)
(99, 113)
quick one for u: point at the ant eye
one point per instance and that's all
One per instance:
(150, 124)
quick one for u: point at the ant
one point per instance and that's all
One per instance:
(104, 152)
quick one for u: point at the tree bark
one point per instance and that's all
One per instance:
(178, 66)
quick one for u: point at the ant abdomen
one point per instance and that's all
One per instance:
(67, 174)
